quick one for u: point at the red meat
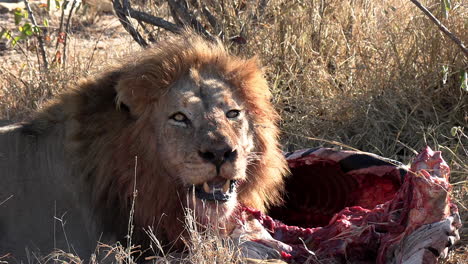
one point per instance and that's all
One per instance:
(352, 207)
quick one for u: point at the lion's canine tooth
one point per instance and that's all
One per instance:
(206, 188)
(226, 186)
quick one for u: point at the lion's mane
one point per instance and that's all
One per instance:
(107, 133)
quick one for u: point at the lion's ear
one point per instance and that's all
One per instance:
(133, 95)
(122, 107)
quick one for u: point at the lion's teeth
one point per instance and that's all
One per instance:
(206, 187)
(226, 186)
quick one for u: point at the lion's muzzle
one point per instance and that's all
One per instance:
(219, 189)
(218, 156)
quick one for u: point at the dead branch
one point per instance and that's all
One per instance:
(62, 17)
(151, 37)
(155, 21)
(175, 16)
(179, 9)
(38, 35)
(180, 12)
(210, 17)
(122, 10)
(67, 31)
(441, 27)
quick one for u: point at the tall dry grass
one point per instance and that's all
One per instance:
(373, 75)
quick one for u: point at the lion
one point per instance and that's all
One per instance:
(180, 125)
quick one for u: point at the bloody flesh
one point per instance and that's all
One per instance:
(342, 207)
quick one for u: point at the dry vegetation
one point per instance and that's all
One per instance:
(372, 75)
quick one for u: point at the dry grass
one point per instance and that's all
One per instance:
(374, 75)
(203, 246)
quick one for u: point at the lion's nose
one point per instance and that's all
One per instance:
(218, 156)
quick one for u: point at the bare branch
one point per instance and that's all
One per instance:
(67, 31)
(38, 35)
(151, 37)
(62, 16)
(441, 27)
(201, 5)
(181, 10)
(122, 13)
(175, 15)
(155, 21)
(211, 19)
(180, 13)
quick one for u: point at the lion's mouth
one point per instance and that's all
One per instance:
(220, 190)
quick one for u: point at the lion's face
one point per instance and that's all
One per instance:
(206, 138)
(203, 127)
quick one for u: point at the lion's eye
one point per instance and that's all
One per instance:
(233, 113)
(179, 117)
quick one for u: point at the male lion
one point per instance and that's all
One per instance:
(184, 124)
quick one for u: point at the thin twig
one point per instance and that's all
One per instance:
(179, 11)
(91, 58)
(67, 31)
(151, 37)
(441, 27)
(38, 35)
(183, 13)
(17, 44)
(132, 212)
(175, 15)
(8, 198)
(62, 16)
(60, 38)
(122, 10)
(211, 18)
(155, 21)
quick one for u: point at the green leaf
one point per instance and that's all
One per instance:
(26, 26)
(65, 4)
(446, 6)
(46, 22)
(464, 81)
(18, 15)
(36, 30)
(26, 29)
(7, 35)
(454, 130)
(15, 41)
(57, 4)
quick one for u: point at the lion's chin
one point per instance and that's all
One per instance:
(213, 213)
